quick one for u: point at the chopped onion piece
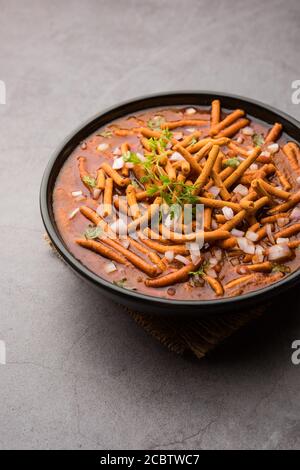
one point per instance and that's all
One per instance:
(214, 190)
(119, 226)
(118, 163)
(282, 241)
(110, 267)
(176, 157)
(169, 255)
(211, 273)
(248, 130)
(190, 111)
(76, 193)
(194, 251)
(253, 167)
(182, 259)
(237, 233)
(282, 221)
(102, 147)
(228, 213)
(73, 213)
(96, 193)
(295, 214)
(213, 262)
(279, 252)
(270, 233)
(253, 236)
(125, 242)
(178, 135)
(265, 153)
(240, 139)
(190, 130)
(246, 246)
(218, 254)
(214, 224)
(117, 151)
(241, 189)
(129, 165)
(273, 148)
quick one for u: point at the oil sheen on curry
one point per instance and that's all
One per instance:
(243, 174)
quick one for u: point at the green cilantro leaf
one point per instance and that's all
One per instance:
(232, 162)
(92, 232)
(89, 181)
(258, 139)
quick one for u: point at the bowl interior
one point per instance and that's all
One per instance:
(253, 108)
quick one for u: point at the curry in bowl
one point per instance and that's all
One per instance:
(121, 198)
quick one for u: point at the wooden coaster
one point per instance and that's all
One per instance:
(183, 335)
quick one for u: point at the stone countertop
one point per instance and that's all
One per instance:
(79, 372)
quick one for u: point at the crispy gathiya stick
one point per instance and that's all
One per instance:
(218, 203)
(218, 166)
(145, 131)
(160, 248)
(288, 232)
(283, 180)
(190, 159)
(183, 165)
(172, 278)
(215, 284)
(183, 123)
(219, 183)
(242, 167)
(226, 172)
(296, 149)
(150, 254)
(207, 168)
(257, 186)
(261, 233)
(215, 116)
(274, 133)
(228, 243)
(207, 218)
(238, 149)
(170, 171)
(201, 143)
(203, 151)
(236, 220)
(273, 218)
(265, 267)
(293, 201)
(227, 121)
(239, 281)
(134, 259)
(289, 151)
(124, 132)
(218, 234)
(187, 140)
(108, 197)
(277, 192)
(119, 180)
(148, 215)
(142, 195)
(234, 128)
(100, 182)
(294, 244)
(102, 250)
(132, 202)
(83, 171)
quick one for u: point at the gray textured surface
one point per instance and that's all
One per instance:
(80, 373)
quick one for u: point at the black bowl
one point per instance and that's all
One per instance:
(132, 299)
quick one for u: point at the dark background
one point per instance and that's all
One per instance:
(80, 373)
